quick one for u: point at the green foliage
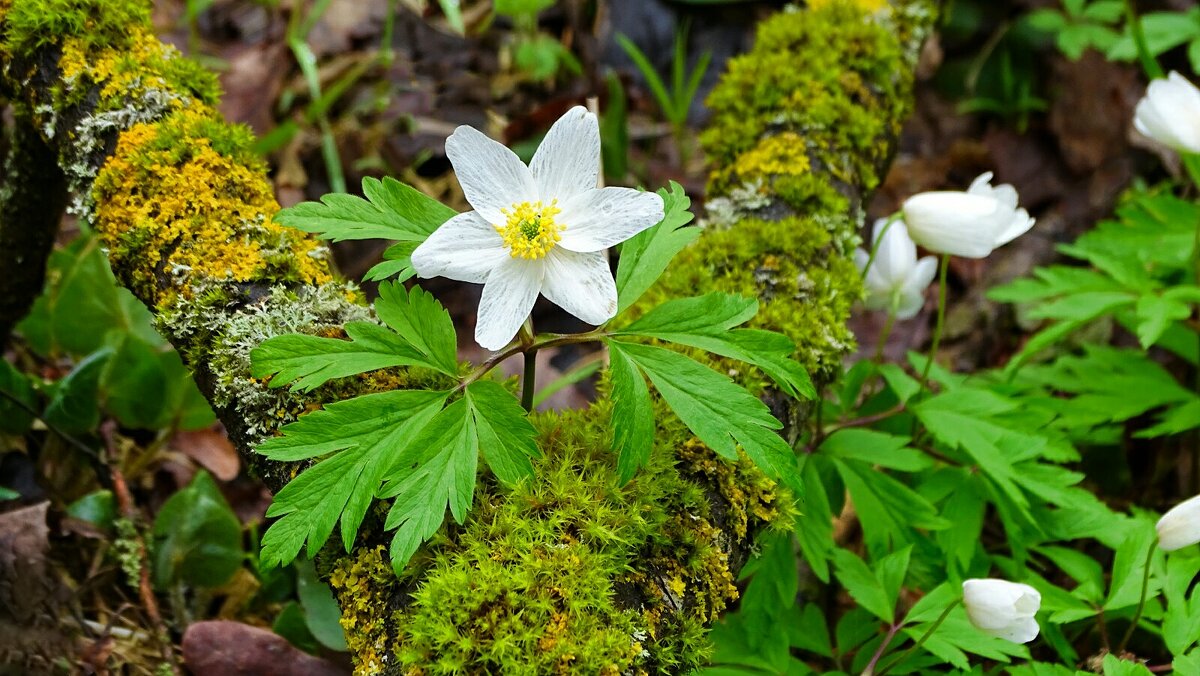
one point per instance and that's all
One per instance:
(418, 333)
(126, 370)
(1081, 25)
(645, 256)
(322, 617)
(391, 210)
(197, 537)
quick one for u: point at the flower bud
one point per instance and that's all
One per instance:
(896, 280)
(969, 224)
(1002, 609)
(1170, 113)
(1180, 526)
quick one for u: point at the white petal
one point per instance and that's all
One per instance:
(1021, 630)
(982, 185)
(492, 176)
(1002, 608)
(508, 297)
(598, 219)
(956, 223)
(568, 160)
(1180, 526)
(465, 248)
(582, 284)
(1020, 224)
(1170, 113)
(912, 293)
(897, 254)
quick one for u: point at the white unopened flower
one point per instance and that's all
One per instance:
(969, 224)
(537, 229)
(896, 280)
(1002, 609)
(1180, 526)
(1170, 113)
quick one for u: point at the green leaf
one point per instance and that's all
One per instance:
(1155, 313)
(422, 321)
(397, 262)
(291, 624)
(392, 210)
(718, 411)
(15, 416)
(74, 406)
(706, 322)
(506, 437)
(368, 435)
(814, 528)
(437, 467)
(876, 448)
(97, 508)
(632, 414)
(312, 361)
(197, 537)
(646, 255)
(863, 586)
(321, 613)
(1129, 565)
(1115, 666)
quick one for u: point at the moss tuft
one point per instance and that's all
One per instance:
(30, 24)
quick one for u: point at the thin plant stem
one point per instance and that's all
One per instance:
(883, 337)
(1149, 63)
(879, 652)
(528, 380)
(921, 641)
(941, 321)
(1137, 615)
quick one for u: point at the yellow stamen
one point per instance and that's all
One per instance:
(530, 231)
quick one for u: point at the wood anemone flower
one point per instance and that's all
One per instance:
(970, 224)
(896, 280)
(537, 229)
(1170, 113)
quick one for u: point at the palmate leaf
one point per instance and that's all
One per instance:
(718, 411)
(367, 435)
(646, 255)
(392, 210)
(437, 467)
(312, 361)
(632, 417)
(419, 332)
(707, 322)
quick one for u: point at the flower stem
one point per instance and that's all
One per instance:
(528, 380)
(1149, 64)
(921, 641)
(941, 321)
(1137, 615)
(883, 337)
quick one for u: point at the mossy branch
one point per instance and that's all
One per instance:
(568, 571)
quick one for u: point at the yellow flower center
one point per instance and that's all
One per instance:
(530, 231)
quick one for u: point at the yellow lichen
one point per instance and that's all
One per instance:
(779, 155)
(361, 585)
(168, 202)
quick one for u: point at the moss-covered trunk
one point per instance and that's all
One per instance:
(568, 572)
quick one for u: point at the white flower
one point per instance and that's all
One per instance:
(1180, 526)
(896, 280)
(1002, 609)
(537, 229)
(1170, 113)
(969, 224)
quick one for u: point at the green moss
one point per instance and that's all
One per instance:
(33, 23)
(832, 81)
